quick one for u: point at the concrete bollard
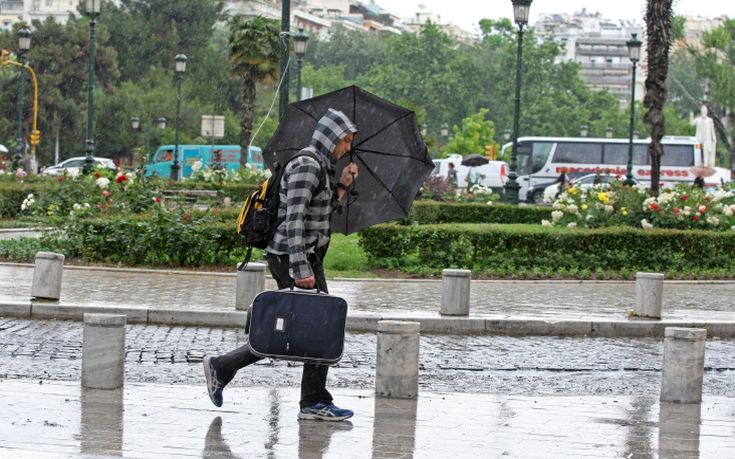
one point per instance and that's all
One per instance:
(103, 353)
(683, 366)
(649, 288)
(455, 292)
(250, 282)
(397, 368)
(227, 201)
(47, 274)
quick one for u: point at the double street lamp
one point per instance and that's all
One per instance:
(92, 9)
(24, 44)
(634, 52)
(301, 40)
(521, 9)
(180, 69)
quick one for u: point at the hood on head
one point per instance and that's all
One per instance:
(331, 128)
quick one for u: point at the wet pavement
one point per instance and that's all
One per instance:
(157, 421)
(481, 395)
(704, 301)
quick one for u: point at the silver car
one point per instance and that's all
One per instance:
(74, 166)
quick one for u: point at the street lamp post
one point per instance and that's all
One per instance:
(521, 8)
(609, 132)
(137, 127)
(634, 52)
(583, 130)
(180, 69)
(285, 36)
(24, 44)
(301, 39)
(92, 9)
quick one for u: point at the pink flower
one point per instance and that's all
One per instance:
(105, 193)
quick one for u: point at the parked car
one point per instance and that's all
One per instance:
(75, 165)
(583, 182)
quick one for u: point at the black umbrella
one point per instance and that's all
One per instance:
(387, 148)
(474, 160)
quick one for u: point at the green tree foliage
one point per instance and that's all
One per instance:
(324, 79)
(254, 57)
(429, 70)
(471, 137)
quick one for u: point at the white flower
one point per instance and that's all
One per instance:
(589, 217)
(663, 198)
(728, 211)
(556, 215)
(77, 206)
(609, 209)
(73, 173)
(702, 209)
(713, 220)
(489, 203)
(102, 182)
(559, 205)
(196, 166)
(645, 224)
(573, 209)
(647, 203)
(686, 211)
(549, 224)
(572, 225)
(732, 228)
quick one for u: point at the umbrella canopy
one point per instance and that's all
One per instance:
(474, 160)
(3, 149)
(388, 149)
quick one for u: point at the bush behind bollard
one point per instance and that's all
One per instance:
(47, 275)
(103, 352)
(649, 288)
(250, 282)
(397, 367)
(455, 292)
(683, 365)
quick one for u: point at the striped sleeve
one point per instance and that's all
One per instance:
(303, 179)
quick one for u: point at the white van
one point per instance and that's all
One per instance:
(493, 174)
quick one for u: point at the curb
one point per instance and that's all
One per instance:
(431, 323)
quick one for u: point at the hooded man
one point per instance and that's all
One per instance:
(307, 199)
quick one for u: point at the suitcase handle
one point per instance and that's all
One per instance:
(296, 287)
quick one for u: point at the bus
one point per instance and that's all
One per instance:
(540, 160)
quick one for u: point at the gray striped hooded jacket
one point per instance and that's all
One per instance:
(305, 210)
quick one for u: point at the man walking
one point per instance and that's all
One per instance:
(295, 255)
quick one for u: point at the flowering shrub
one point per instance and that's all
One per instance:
(219, 176)
(683, 207)
(441, 189)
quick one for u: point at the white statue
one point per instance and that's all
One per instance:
(706, 136)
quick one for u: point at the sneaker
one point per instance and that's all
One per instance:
(325, 412)
(214, 386)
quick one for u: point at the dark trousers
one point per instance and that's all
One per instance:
(314, 377)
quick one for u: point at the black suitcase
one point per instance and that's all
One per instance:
(298, 325)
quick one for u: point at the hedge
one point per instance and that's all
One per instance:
(502, 247)
(425, 212)
(12, 195)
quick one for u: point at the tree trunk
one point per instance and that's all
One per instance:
(246, 116)
(658, 32)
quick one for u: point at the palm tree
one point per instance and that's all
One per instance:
(659, 34)
(254, 56)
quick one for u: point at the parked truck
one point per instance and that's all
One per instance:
(227, 156)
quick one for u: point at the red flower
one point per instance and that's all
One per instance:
(654, 207)
(97, 175)
(61, 178)
(158, 199)
(120, 178)
(683, 197)
(695, 218)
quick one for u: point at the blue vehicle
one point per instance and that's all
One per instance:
(226, 155)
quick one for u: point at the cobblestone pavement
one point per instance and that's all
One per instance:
(709, 301)
(52, 350)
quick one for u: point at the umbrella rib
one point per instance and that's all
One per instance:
(305, 112)
(383, 128)
(381, 183)
(397, 155)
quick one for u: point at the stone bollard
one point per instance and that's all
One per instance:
(250, 282)
(103, 354)
(397, 368)
(683, 366)
(47, 275)
(455, 292)
(227, 202)
(649, 288)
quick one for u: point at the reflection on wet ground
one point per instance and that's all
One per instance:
(155, 421)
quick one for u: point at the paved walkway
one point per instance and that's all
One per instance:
(152, 421)
(698, 301)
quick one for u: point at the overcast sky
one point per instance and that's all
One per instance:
(466, 13)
